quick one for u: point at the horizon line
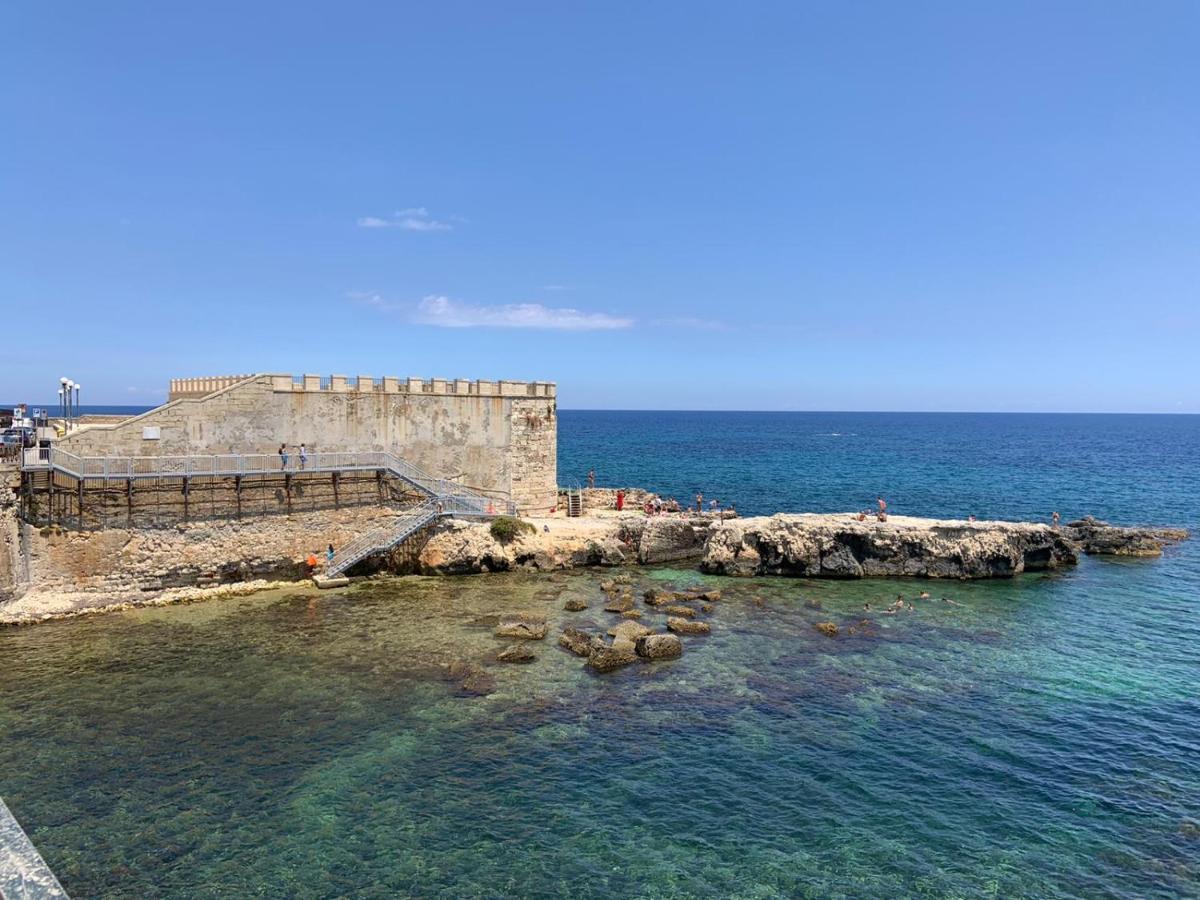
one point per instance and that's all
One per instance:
(935, 412)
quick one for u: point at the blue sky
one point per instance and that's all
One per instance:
(867, 206)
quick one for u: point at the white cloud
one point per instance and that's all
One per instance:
(446, 313)
(415, 218)
(374, 299)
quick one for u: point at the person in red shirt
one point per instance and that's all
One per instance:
(620, 500)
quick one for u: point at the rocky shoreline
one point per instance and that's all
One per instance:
(79, 572)
(807, 545)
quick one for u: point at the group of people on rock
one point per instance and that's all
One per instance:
(657, 506)
(879, 513)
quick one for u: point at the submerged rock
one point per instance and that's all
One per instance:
(524, 629)
(687, 626)
(575, 605)
(631, 614)
(579, 642)
(473, 680)
(659, 598)
(619, 604)
(829, 629)
(517, 653)
(658, 646)
(686, 611)
(629, 630)
(605, 659)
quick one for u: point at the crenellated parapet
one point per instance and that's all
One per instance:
(182, 388)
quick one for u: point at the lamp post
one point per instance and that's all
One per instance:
(77, 406)
(65, 393)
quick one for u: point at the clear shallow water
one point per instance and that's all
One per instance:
(1041, 738)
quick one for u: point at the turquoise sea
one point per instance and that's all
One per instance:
(1038, 737)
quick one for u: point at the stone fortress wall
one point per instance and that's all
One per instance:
(495, 436)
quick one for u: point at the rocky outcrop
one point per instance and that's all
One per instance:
(467, 548)
(668, 539)
(1100, 538)
(841, 546)
(579, 641)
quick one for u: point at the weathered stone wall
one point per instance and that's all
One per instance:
(12, 560)
(124, 565)
(494, 436)
(534, 454)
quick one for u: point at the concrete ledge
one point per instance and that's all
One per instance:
(325, 581)
(23, 872)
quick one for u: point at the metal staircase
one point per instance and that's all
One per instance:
(381, 539)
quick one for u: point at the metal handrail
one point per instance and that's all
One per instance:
(121, 467)
(381, 539)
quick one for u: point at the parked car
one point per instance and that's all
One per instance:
(17, 437)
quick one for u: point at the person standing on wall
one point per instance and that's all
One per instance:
(283, 457)
(303, 456)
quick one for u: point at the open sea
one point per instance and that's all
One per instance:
(1036, 737)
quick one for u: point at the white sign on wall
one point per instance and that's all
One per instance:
(151, 432)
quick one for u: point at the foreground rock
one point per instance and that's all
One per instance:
(658, 646)
(579, 641)
(840, 546)
(607, 658)
(525, 629)
(517, 653)
(1100, 538)
(687, 626)
(629, 630)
